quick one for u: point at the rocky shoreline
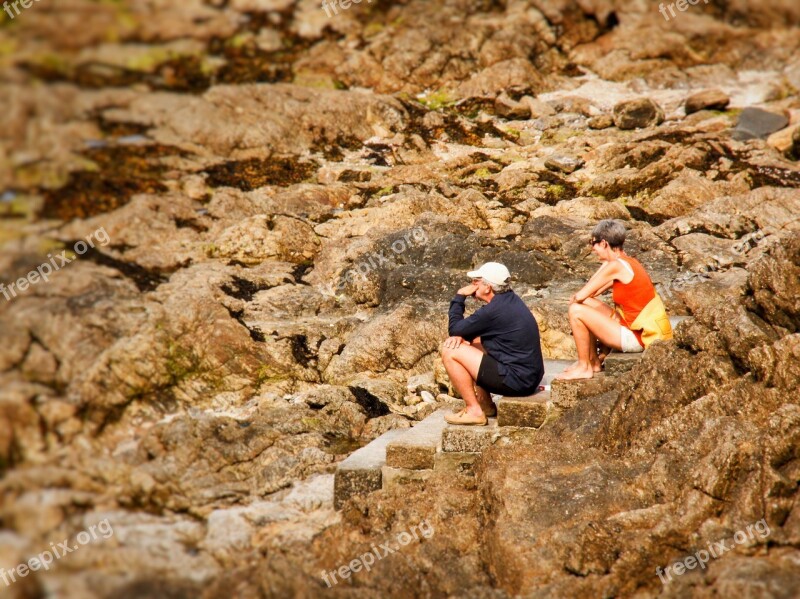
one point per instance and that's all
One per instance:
(290, 201)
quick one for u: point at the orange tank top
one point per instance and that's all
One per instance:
(631, 298)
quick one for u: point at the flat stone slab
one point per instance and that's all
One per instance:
(396, 477)
(565, 394)
(360, 473)
(528, 411)
(459, 462)
(471, 439)
(758, 123)
(416, 447)
(617, 363)
(552, 368)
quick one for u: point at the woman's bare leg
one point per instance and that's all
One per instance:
(596, 360)
(588, 324)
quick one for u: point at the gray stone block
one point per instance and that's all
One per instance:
(472, 439)
(528, 411)
(416, 447)
(360, 473)
(459, 462)
(396, 477)
(565, 394)
(619, 363)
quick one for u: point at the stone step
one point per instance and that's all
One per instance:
(360, 473)
(416, 447)
(469, 439)
(530, 411)
(617, 363)
(456, 461)
(565, 394)
(395, 477)
(459, 462)
(552, 368)
(533, 410)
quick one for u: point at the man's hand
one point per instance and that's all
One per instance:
(468, 290)
(454, 342)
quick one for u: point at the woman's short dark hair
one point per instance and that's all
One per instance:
(610, 230)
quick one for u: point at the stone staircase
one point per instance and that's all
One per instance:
(414, 454)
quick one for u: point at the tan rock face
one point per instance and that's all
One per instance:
(291, 201)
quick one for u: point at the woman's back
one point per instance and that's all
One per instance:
(631, 298)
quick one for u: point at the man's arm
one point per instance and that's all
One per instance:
(468, 328)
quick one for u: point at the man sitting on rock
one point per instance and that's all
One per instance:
(495, 350)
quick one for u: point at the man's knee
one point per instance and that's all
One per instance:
(447, 352)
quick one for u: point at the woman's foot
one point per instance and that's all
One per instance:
(582, 372)
(571, 367)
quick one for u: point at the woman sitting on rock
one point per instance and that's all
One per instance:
(639, 318)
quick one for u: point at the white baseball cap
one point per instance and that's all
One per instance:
(493, 272)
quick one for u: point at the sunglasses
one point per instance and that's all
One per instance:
(594, 242)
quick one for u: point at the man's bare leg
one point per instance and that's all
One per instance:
(484, 397)
(485, 400)
(462, 365)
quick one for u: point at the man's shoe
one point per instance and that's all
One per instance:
(491, 413)
(463, 417)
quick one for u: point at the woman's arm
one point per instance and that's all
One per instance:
(599, 282)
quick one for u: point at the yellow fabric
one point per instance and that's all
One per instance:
(653, 322)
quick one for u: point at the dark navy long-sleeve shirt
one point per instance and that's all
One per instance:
(508, 332)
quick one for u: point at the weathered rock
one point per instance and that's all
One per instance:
(635, 114)
(793, 151)
(538, 109)
(756, 123)
(506, 107)
(565, 164)
(713, 99)
(601, 121)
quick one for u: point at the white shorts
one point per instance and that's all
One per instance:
(628, 341)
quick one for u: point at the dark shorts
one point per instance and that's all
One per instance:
(491, 380)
